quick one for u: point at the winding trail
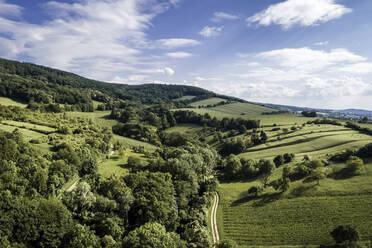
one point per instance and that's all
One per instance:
(215, 235)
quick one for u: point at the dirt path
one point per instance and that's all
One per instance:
(111, 150)
(215, 235)
(73, 186)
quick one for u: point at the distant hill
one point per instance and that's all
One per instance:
(343, 113)
(26, 81)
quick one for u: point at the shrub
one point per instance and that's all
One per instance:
(354, 165)
(345, 233)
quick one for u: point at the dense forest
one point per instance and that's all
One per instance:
(159, 203)
(28, 82)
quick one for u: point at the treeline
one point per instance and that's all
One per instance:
(363, 152)
(234, 168)
(309, 114)
(145, 123)
(358, 128)
(216, 104)
(206, 120)
(239, 145)
(348, 124)
(275, 112)
(325, 121)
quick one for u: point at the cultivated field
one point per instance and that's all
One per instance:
(251, 111)
(312, 140)
(305, 214)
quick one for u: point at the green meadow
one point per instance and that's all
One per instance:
(9, 102)
(206, 102)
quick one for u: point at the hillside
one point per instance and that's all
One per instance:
(113, 165)
(47, 85)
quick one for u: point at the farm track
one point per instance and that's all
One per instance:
(215, 234)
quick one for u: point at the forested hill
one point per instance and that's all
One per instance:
(40, 84)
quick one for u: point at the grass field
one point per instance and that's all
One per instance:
(252, 111)
(305, 214)
(209, 101)
(9, 102)
(95, 104)
(27, 125)
(185, 128)
(27, 133)
(115, 165)
(129, 143)
(98, 117)
(184, 98)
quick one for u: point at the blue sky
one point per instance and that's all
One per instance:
(314, 53)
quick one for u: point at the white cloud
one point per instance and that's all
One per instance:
(249, 64)
(168, 71)
(321, 43)
(299, 12)
(176, 43)
(273, 74)
(220, 16)
(10, 9)
(207, 79)
(131, 79)
(175, 2)
(335, 87)
(309, 59)
(97, 39)
(210, 31)
(179, 55)
(358, 68)
(299, 76)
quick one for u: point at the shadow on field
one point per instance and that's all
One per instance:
(261, 200)
(243, 200)
(267, 198)
(341, 174)
(299, 191)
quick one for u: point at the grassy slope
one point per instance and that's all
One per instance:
(184, 98)
(251, 111)
(305, 214)
(115, 165)
(27, 133)
(315, 144)
(184, 128)
(27, 125)
(209, 101)
(9, 102)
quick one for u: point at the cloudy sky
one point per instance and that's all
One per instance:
(315, 53)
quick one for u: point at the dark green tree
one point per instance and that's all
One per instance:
(152, 235)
